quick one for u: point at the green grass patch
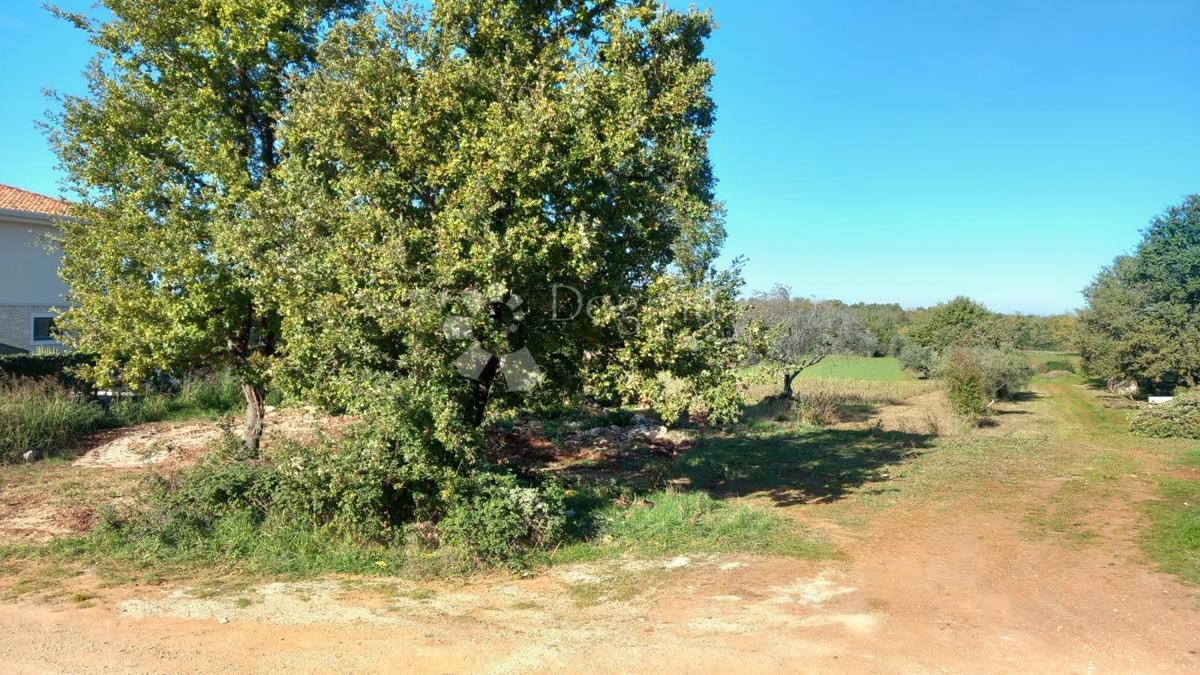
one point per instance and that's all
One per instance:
(1044, 361)
(667, 523)
(882, 368)
(1173, 539)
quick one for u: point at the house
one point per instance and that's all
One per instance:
(30, 290)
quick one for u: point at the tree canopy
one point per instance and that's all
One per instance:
(468, 161)
(178, 132)
(1142, 321)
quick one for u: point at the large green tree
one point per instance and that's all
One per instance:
(178, 133)
(1142, 319)
(493, 176)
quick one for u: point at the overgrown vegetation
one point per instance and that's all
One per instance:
(39, 417)
(42, 417)
(977, 378)
(1179, 418)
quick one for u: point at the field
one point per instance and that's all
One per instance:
(884, 368)
(885, 541)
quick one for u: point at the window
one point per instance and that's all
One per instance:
(43, 329)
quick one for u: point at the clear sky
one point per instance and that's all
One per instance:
(880, 151)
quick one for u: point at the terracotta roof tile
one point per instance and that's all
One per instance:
(17, 199)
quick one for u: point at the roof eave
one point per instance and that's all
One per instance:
(27, 217)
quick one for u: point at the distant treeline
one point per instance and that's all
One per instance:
(958, 321)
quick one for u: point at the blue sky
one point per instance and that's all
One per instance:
(881, 151)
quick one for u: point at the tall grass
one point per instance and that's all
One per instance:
(44, 417)
(41, 417)
(219, 392)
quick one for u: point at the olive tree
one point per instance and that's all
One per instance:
(792, 334)
(165, 154)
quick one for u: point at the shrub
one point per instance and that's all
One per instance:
(921, 360)
(358, 487)
(1179, 418)
(495, 516)
(194, 501)
(1006, 372)
(965, 384)
(975, 378)
(42, 416)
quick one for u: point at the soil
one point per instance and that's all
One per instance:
(952, 582)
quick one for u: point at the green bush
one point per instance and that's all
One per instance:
(496, 517)
(359, 487)
(921, 360)
(976, 377)
(43, 417)
(1006, 372)
(1179, 418)
(964, 380)
(194, 501)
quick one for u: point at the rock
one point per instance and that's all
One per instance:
(1121, 387)
(222, 619)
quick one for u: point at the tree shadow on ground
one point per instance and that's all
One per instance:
(802, 467)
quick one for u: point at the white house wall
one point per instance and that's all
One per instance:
(29, 283)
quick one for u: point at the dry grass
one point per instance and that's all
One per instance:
(828, 401)
(873, 392)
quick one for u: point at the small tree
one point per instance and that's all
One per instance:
(964, 381)
(165, 154)
(792, 334)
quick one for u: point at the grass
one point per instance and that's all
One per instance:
(882, 368)
(674, 523)
(237, 551)
(1041, 361)
(39, 416)
(43, 417)
(720, 498)
(1173, 539)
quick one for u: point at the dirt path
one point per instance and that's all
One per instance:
(1018, 553)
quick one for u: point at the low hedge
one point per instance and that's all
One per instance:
(41, 365)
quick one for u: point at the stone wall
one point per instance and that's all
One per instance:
(16, 327)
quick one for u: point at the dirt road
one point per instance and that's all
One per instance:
(1017, 554)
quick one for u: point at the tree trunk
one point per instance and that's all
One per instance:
(787, 385)
(480, 391)
(255, 410)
